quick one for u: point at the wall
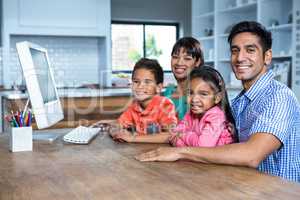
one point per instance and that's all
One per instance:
(75, 60)
(154, 10)
(76, 34)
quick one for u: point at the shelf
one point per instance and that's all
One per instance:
(204, 15)
(206, 38)
(242, 8)
(224, 35)
(227, 13)
(283, 27)
(281, 56)
(224, 60)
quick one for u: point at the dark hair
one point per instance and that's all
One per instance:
(151, 65)
(192, 47)
(255, 28)
(216, 81)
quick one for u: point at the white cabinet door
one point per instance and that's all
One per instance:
(56, 17)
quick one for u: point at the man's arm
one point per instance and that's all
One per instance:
(249, 153)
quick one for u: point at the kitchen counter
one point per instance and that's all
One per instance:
(80, 105)
(74, 92)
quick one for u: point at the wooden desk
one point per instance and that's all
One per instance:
(105, 169)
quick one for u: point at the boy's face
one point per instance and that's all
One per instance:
(144, 86)
(182, 64)
(248, 60)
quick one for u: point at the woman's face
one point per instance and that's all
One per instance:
(182, 64)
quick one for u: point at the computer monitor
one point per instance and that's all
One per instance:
(40, 84)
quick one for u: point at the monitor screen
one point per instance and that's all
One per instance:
(43, 75)
(40, 84)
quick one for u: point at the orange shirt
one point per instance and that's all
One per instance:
(160, 111)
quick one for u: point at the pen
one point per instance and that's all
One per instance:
(10, 120)
(21, 119)
(29, 118)
(12, 123)
(14, 119)
(25, 119)
(17, 118)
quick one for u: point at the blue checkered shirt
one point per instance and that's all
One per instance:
(271, 107)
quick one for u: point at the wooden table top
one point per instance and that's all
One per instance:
(105, 169)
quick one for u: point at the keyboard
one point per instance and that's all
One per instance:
(81, 135)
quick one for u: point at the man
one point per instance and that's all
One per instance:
(266, 112)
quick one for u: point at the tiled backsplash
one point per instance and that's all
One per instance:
(75, 60)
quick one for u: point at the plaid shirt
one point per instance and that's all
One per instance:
(271, 107)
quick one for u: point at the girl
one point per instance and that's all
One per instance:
(209, 122)
(186, 54)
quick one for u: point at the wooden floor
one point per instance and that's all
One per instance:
(107, 170)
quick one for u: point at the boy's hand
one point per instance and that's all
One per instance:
(123, 136)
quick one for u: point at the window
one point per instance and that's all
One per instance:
(132, 41)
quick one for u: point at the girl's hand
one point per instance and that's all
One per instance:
(123, 136)
(174, 138)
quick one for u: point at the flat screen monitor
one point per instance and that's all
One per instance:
(40, 84)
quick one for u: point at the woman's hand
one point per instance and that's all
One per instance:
(160, 154)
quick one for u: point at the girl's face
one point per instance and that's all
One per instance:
(144, 86)
(182, 64)
(202, 96)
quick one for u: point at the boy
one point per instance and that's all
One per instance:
(149, 113)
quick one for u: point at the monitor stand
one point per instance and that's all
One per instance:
(44, 137)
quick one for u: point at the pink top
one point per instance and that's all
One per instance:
(212, 129)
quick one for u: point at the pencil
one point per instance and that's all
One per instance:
(26, 106)
(14, 119)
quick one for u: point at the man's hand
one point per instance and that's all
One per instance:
(160, 154)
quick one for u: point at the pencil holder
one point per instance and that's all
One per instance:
(20, 139)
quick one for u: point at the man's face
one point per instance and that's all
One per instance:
(247, 58)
